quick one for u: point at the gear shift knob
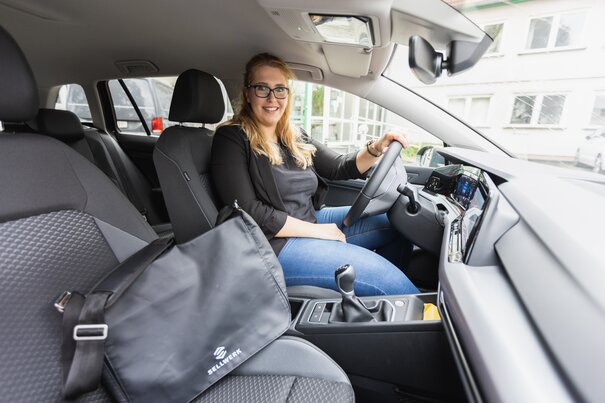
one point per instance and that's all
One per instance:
(350, 309)
(345, 277)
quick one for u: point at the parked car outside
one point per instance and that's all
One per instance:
(592, 151)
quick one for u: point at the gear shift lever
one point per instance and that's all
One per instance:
(351, 309)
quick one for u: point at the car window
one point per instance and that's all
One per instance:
(153, 97)
(538, 91)
(345, 122)
(71, 97)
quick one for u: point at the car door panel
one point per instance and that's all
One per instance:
(344, 192)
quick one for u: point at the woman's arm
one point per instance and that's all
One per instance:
(364, 160)
(332, 165)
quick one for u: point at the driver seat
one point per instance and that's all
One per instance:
(182, 161)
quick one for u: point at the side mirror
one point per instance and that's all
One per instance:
(428, 156)
(424, 61)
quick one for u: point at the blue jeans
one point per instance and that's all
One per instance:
(311, 261)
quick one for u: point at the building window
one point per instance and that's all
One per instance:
(597, 118)
(556, 31)
(473, 109)
(523, 109)
(495, 32)
(552, 107)
(538, 109)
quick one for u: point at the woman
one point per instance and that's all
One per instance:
(275, 173)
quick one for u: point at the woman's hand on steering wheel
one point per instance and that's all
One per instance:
(382, 144)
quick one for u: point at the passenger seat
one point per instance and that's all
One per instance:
(182, 155)
(104, 151)
(65, 226)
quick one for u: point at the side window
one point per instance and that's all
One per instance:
(72, 98)
(345, 122)
(153, 97)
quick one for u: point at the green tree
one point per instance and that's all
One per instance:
(318, 100)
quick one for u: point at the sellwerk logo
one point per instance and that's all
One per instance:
(220, 354)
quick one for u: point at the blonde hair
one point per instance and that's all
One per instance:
(286, 133)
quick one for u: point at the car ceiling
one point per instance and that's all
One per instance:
(79, 41)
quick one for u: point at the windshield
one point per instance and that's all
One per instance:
(539, 90)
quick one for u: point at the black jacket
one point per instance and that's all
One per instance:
(239, 174)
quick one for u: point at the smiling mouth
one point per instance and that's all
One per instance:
(270, 108)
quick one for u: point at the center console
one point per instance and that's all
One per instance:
(383, 343)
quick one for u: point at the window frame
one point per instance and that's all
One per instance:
(153, 83)
(554, 30)
(535, 116)
(353, 115)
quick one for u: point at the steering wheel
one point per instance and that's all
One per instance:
(380, 191)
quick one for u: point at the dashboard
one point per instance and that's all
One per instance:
(533, 239)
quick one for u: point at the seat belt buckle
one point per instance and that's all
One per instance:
(62, 300)
(90, 332)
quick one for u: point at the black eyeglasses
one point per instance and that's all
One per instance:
(263, 91)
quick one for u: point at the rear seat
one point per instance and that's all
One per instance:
(103, 151)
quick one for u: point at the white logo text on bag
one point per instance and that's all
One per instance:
(220, 354)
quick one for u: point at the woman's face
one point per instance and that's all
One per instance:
(267, 111)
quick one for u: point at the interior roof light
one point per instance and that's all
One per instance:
(344, 29)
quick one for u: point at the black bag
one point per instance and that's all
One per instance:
(192, 316)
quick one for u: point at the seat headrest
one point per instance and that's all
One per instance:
(18, 92)
(62, 125)
(197, 98)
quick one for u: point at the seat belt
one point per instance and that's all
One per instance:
(111, 145)
(84, 327)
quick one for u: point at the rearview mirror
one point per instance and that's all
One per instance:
(424, 61)
(427, 64)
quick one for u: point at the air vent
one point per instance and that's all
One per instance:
(137, 67)
(275, 13)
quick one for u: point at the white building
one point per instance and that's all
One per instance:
(527, 91)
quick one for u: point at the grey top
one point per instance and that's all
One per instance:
(296, 187)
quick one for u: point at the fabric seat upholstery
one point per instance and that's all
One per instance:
(64, 225)
(182, 155)
(104, 151)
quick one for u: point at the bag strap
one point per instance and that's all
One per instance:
(84, 327)
(83, 348)
(229, 211)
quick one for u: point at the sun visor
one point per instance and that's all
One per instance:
(348, 61)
